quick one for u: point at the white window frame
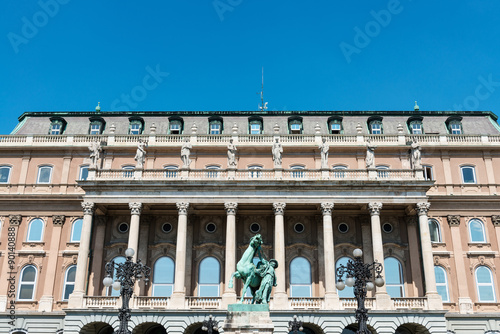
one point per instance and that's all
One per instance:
(255, 129)
(72, 239)
(254, 171)
(55, 128)
(462, 168)
(9, 168)
(213, 171)
(376, 128)
(171, 171)
(402, 277)
(82, 168)
(215, 128)
(29, 230)
(455, 128)
(492, 285)
(21, 282)
(95, 129)
(295, 128)
(427, 169)
(39, 173)
(301, 285)
(473, 220)
(432, 220)
(200, 285)
(135, 128)
(163, 284)
(298, 171)
(128, 171)
(66, 283)
(445, 284)
(416, 128)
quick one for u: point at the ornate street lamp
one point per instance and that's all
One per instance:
(210, 325)
(126, 275)
(295, 325)
(359, 275)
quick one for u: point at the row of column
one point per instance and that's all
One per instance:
(280, 296)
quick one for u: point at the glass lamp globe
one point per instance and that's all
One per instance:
(129, 252)
(370, 286)
(116, 285)
(301, 329)
(340, 285)
(357, 252)
(107, 281)
(379, 281)
(349, 282)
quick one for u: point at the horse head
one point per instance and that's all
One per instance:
(256, 241)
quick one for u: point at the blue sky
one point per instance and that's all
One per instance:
(66, 55)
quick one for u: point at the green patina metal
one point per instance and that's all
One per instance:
(248, 308)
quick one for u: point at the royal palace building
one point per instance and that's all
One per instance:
(418, 191)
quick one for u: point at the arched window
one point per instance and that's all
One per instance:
(27, 283)
(213, 171)
(69, 282)
(468, 174)
(112, 292)
(35, 230)
(171, 171)
(209, 277)
(484, 283)
(128, 171)
(76, 230)
(382, 171)
(338, 171)
(434, 230)
(394, 277)
(4, 174)
(300, 278)
(163, 277)
(44, 174)
(476, 231)
(348, 292)
(298, 171)
(254, 171)
(442, 283)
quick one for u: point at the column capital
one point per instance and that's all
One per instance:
(423, 208)
(326, 208)
(374, 208)
(454, 220)
(279, 208)
(231, 208)
(182, 208)
(15, 220)
(135, 208)
(88, 208)
(495, 220)
(58, 220)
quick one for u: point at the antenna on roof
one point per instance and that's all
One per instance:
(263, 106)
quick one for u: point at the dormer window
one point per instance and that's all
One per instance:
(215, 125)
(136, 125)
(335, 125)
(415, 125)
(295, 125)
(255, 125)
(57, 126)
(454, 125)
(375, 125)
(96, 125)
(175, 125)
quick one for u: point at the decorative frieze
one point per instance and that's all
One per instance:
(88, 208)
(182, 208)
(454, 220)
(15, 220)
(231, 208)
(495, 220)
(374, 208)
(279, 208)
(135, 208)
(58, 220)
(326, 208)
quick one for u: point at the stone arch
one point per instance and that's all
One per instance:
(411, 328)
(149, 328)
(424, 325)
(97, 327)
(352, 329)
(316, 329)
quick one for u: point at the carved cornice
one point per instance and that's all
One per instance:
(454, 220)
(58, 220)
(423, 208)
(88, 208)
(15, 220)
(135, 208)
(231, 208)
(495, 220)
(326, 208)
(279, 208)
(374, 208)
(182, 208)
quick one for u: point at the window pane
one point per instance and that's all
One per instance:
(335, 127)
(70, 278)
(443, 292)
(76, 231)
(394, 277)
(26, 291)
(300, 271)
(162, 290)
(486, 294)
(434, 231)
(84, 172)
(456, 129)
(209, 271)
(208, 290)
(468, 175)
(56, 129)
(95, 129)
(416, 128)
(35, 230)
(483, 275)
(255, 129)
(68, 289)
(440, 275)
(214, 129)
(4, 174)
(301, 291)
(164, 271)
(29, 274)
(44, 174)
(376, 128)
(394, 291)
(476, 231)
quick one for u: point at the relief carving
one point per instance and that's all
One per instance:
(454, 220)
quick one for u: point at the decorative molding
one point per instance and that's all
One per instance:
(135, 208)
(231, 208)
(182, 208)
(279, 208)
(495, 220)
(374, 208)
(88, 208)
(423, 208)
(327, 208)
(15, 220)
(454, 220)
(58, 220)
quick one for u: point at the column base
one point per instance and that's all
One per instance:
(434, 301)
(3, 303)
(384, 301)
(228, 298)
(76, 300)
(332, 301)
(280, 301)
(45, 304)
(177, 301)
(465, 305)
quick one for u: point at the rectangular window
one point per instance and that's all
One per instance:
(171, 172)
(44, 174)
(215, 129)
(175, 128)
(456, 129)
(84, 173)
(4, 174)
(255, 129)
(56, 129)
(128, 171)
(376, 128)
(468, 174)
(416, 128)
(254, 172)
(95, 129)
(298, 172)
(213, 172)
(295, 128)
(336, 128)
(428, 173)
(135, 129)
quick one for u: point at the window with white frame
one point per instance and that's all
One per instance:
(415, 125)
(434, 230)
(95, 129)
(5, 174)
(428, 174)
(485, 285)
(382, 172)
(136, 125)
(255, 125)
(468, 174)
(110, 291)
(57, 126)
(213, 171)
(295, 125)
(209, 277)
(455, 128)
(254, 171)
(175, 127)
(171, 171)
(339, 171)
(300, 278)
(347, 292)
(375, 125)
(69, 282)
(442, 283)
(394, 277)
(255, 129)
(215, 125)
(335, 125)
(76, 230)
(163, 277)
(128, 171)
(298, 171)
(44, 174)
(476, 231)
(27, 283)
(35, 230)
(84, 172)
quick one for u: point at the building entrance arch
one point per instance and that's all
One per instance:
(352, 328)
(97, 328)
(411, 328)
(149, 328)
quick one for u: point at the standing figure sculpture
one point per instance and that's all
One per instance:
(140, 154)
(416, 161)
(268, 275)
(277, 151)
(324, 148)
(370, 154)
(95, 153)
(185, 153)
(231, 154)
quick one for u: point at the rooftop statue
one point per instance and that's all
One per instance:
(259, 278)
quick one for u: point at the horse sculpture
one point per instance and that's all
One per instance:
(246, 268)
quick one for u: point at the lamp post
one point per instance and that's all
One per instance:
(359, 275)
(126, 275)
(295, 325)
(210, 325)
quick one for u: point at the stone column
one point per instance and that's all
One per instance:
(76, 298)
(332, 301)
(465, 304)
(433, 298)
(133, 233)
(177, 300)
(280, 295)
(382, 298)
(229, 295)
